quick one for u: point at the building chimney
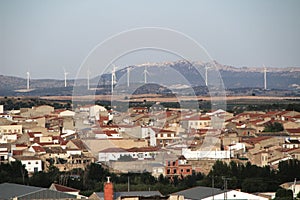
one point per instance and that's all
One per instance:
(108, 190)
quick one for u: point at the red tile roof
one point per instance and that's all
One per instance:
(113, 150)
(290, 150)
(63, 188)
(79, 144)
(21, 145)
(256, 139)
(196, 118)
(17, 152)
(38, 149)
(157, 130)
(142, 149)
(293, 130)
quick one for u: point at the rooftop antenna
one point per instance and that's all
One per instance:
(145, 75)
(65, 74)
(28, 80)
(265, 78)
(113, 78)
(88, 79)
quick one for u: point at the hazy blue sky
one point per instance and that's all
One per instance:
(44, 36)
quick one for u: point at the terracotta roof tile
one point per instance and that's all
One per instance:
(63, 188)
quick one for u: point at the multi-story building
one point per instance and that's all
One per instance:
(179, 167)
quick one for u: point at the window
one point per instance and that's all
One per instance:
(188, 170)
(29, 163)
(174, 171)
(168, 171)
(36, 162)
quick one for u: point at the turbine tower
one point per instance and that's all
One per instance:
(113, 79)
(128, 76)
(28, 79)
(88, 79)
(145, 75)
(265, 78)
(206, 75)
(65, 74)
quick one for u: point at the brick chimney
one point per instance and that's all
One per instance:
(108, 190)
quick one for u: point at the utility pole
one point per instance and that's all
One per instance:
(225, 186)
(213, 187)
(128, 184)
(294, 186)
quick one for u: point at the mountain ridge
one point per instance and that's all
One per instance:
(175, 73)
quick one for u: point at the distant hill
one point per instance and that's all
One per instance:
(185, 73)
(14, 83)
(172, 75)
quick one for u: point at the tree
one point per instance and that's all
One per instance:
(219, 169)
(283, 194)
(254, 185)
(273, 127)
(163, 180)
(189, 181)
(13, 172)
(96, 172)
(41, 179)
(45, 179)
(288, 170)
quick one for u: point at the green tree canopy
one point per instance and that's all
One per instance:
(283, 194)
(273, 127)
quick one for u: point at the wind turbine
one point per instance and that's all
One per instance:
(145, 75)
(65, 74)
(113, 78)
(206, 75)
(88, 79)
(128, 76)
(265, 78)
(28, 79)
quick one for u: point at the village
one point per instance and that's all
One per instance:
(161, 141)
